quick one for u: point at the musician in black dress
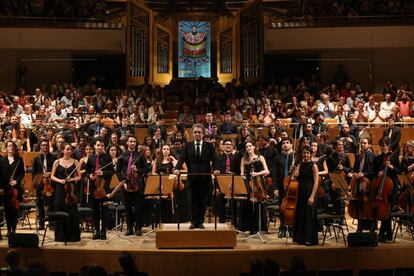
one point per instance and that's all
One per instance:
(65, 174)
(388, 159)
(253, 166)
(305, 230)
(281, 168)
(364, 167)
(99, 170)
(133, 194)
(164, 165)
(12, 174)
(198, 155)
(42, 167)
(323, 186)
(338, 162)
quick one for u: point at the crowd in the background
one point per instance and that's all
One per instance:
(52, 111)
(54, 8)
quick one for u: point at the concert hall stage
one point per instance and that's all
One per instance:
(332, 256)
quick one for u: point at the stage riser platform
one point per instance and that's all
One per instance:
(226, 262)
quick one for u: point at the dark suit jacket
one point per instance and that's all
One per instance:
(7, 171)
(194, 163)
(38, 163)
(108, 171)
(368, 168)
(395, 137)
(333, 162)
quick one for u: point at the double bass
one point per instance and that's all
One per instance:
(289, 202)
(381, 188)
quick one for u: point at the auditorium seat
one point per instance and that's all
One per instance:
(378, 97)
(330, 122)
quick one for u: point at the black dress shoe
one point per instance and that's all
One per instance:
(138, 232)
(129, 232)
(192, 226)
(96, 236)
(103, 235)
(201, 226)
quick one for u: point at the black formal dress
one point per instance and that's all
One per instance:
(166, 207)
(15, 171)
(43, 201)
(65, 228)
(198, 161)
(250, 209)
(305, 230)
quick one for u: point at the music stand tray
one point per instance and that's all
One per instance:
(339, 181)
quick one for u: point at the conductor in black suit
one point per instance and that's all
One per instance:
(199, 156)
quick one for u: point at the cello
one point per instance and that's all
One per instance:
(381, 188)
(359, 206)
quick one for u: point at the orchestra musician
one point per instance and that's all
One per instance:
(389, 159)
(198, 155)
(12, 174)
(254, 167)
(126, 168)
(323, 188)
(305, 230)
(280, 170)
(338, 162)
(393, 133)
(225, 163)
(99, 170)
(42, 165)
(364, 167)
(65, 174)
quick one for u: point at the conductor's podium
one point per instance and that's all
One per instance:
(168, 236)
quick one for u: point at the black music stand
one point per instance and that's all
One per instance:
(157, 186)
(233, 187)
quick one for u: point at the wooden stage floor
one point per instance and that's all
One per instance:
(333, 255)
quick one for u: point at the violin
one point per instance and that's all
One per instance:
(13, 192)
(258, 193)
(99, 192)
(71, 198)
(48, 189)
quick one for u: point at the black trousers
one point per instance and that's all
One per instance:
(11, 217)
(199, 187)
(133, 208)
(43, 203)
(100, 214)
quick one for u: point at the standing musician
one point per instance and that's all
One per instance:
(338, 162)
(281, 168)
(65, 174)
(225, 163)
(389, 159)
(364, 167)
(407, 162)
(127, 170)
(99, 170)
(254, 167)
(12, 173)
(42, 168)
(305, 230)
(393, 133)
(198, 155)
(323, 173)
